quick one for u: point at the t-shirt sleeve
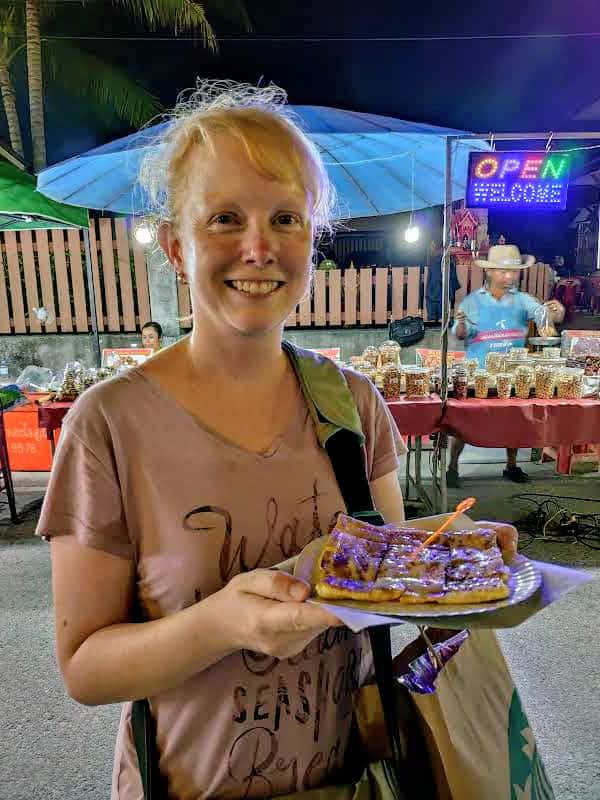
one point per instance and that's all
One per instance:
(84, 497)
(384, 444)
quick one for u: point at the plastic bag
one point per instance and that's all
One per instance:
(35, 379)
(11, 397)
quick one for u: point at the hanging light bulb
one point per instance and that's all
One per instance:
(412, 233)
(143, 234)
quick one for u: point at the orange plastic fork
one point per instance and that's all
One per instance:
(463, 506)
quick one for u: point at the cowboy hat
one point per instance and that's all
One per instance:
(505, 256)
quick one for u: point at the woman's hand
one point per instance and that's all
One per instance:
(264, 611)
(507, 534)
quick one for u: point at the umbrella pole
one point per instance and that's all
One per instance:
(92, 295)
(443, 489)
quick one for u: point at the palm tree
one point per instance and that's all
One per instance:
(101, 81)
(8, 51)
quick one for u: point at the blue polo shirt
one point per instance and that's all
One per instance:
(497, 325)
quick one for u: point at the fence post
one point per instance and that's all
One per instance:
(164, 300)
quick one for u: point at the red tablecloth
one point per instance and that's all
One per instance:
(51, 415)
(417, 417)
(524, 423)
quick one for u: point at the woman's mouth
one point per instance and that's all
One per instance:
(256, 288)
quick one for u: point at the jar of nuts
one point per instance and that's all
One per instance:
(504, 385)
(550, 352)
(391, 382)
(494, 362)
(518, 354)
(471, 365)
(482, 383)
(523, 377)
(460, 383)
(371, 354)
(417, 381)
(389, 353)
(569, 383)
(545, 379)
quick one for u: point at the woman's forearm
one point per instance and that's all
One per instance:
(128, 661)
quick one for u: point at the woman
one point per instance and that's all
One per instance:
(152, 336)
(177, 485)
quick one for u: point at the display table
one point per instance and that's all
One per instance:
(417, 417)
(50, 419)
(523, 423)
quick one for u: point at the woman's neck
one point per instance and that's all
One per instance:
(239, 359)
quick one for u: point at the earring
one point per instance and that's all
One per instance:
(181, 278)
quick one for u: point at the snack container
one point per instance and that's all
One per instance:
(417, 381)
(391, 382)
(550, 353)
(460, 383)
(482, 383)
(518, 354)
(504, 385)
(371, 354)
(389, 353)
(494, 362)
(523, 379)
(545, 381)
(569, 383)
(471, 365)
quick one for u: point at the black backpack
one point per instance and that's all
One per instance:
(408, 330)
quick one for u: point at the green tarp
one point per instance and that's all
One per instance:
(22, 207)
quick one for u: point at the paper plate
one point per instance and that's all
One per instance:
(524, 581)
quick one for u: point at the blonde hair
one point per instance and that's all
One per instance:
(275, 144)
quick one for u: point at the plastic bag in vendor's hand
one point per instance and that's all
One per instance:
(11, 397)
(35, 379)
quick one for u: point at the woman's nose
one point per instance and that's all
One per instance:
(258, 246)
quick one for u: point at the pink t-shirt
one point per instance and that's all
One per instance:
(137, 476)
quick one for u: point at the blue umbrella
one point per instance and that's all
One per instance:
(371, 160)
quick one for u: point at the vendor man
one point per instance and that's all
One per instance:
(494, 319)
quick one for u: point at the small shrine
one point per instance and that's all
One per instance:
(469, 235)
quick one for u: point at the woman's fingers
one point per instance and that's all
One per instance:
(272, 584)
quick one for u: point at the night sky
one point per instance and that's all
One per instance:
(480, 85)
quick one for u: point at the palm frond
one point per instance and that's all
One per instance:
(180, 15)
(232, 10)
(84, 74)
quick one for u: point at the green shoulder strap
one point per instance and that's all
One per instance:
(327, 393)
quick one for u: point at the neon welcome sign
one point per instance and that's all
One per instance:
(534, 180)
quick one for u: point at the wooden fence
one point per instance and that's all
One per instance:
(47, 268)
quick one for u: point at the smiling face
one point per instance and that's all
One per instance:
(243, 241)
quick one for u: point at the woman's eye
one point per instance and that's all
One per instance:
(224, 219)
(286, 219)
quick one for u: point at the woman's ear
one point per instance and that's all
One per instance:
(170, 244)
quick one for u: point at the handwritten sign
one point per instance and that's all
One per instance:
(518, 180)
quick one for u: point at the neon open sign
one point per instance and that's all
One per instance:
(518, 180)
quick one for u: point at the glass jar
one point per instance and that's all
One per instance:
(494, 362)
(460, 383)
(389, 353)
(481, 379)
(545, 379)
(417, 381)
(471, 365)
(569, 383)
(549, 353)
(391, 382)
(371, 354)
(518, 354)
(504, 385)
(523, 378)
